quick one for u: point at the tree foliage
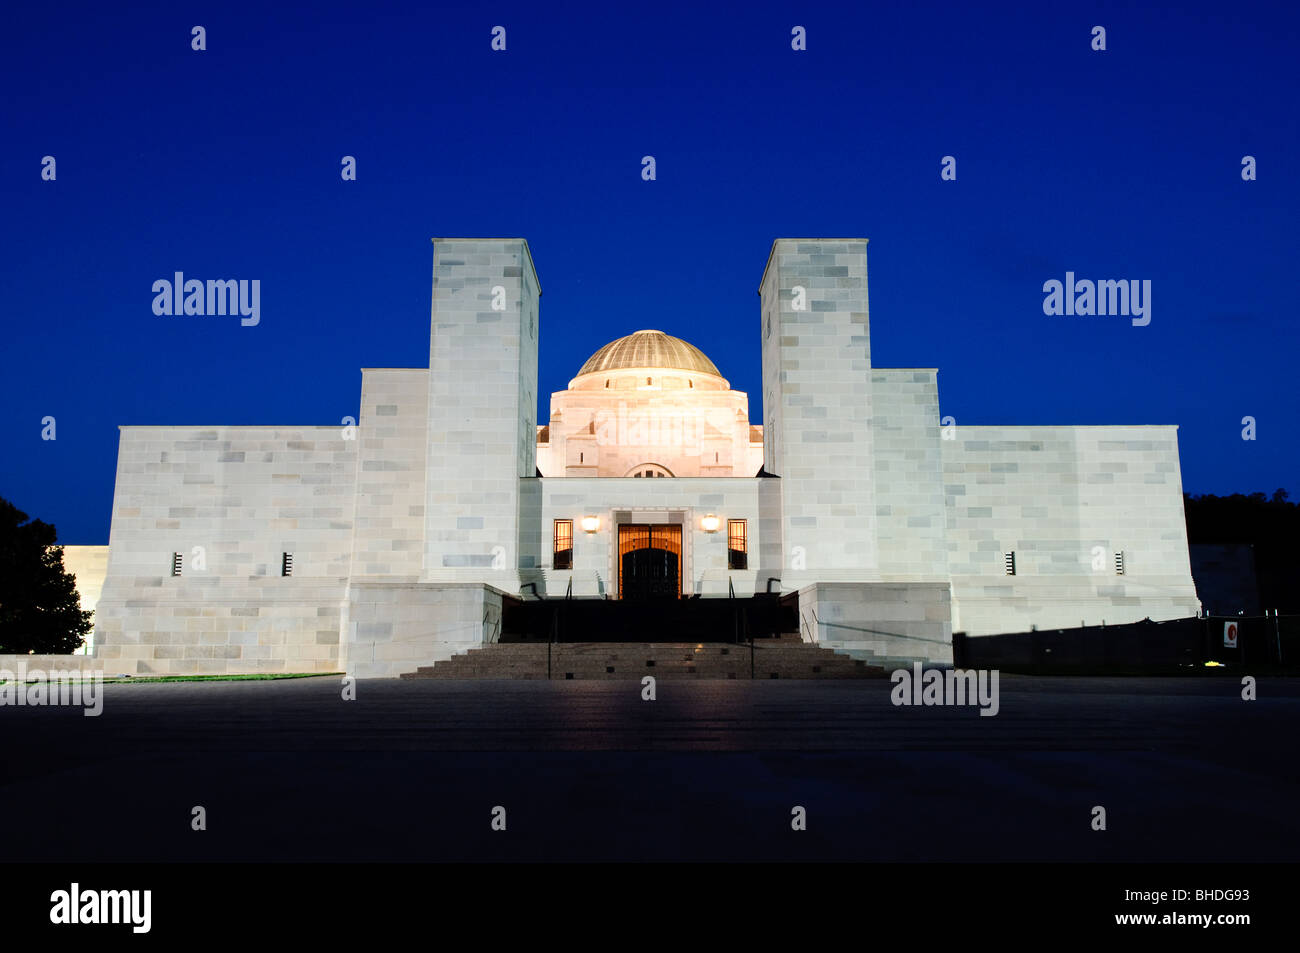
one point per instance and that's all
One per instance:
(40, 610)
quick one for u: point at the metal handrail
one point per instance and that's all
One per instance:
(555, 618)
(751, 652)
(892, 635)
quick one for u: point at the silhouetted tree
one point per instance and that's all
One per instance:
(40, 610)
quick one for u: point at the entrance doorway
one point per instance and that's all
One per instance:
(649, 561)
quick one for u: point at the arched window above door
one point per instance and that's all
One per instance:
(648, 470)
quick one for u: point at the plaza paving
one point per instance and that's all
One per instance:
(287, 770)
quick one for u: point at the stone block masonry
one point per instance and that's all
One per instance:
(408, 530)
(230, 501)
(817, 400)
(482, 410)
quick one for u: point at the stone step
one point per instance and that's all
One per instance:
(627, 660)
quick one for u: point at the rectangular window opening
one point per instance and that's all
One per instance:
(737, 545)
(563, 547)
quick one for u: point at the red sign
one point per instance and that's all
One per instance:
(1230, 635)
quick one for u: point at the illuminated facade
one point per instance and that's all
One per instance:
(389, 545)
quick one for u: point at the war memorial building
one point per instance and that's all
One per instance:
(397, 542)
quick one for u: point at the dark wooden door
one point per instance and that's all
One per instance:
(649, 561)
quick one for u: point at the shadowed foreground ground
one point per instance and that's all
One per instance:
(710, 771)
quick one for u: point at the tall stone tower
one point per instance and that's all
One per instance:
(482, 408)
(817, 407)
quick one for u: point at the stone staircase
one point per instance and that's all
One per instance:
(773, 658)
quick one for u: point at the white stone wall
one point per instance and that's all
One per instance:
(392, 447)
(883, 622)
(753, 452)
(1052, 494)
(526, 396)
(231, 500)
(817, 390)
(684, 501)
(482, 409)
(773, 409)
(48, 666)
(911, 510)
(394, 628)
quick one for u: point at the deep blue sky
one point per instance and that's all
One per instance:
(1122, 164)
